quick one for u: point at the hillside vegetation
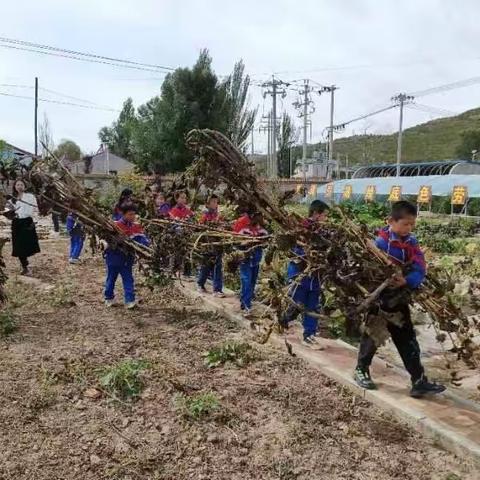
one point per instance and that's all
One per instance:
(434, 140)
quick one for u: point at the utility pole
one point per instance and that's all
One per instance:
(266, 127)
(305, 103)
(401, 99)
(35, 121)
(330, 89)
(274, 88)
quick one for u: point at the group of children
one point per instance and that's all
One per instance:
(305, 292)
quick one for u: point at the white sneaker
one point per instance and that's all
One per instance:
(309, 342)
(73, 261)
(201, 289)
(109, 303)
(131, 305)
(219, 294)
(247, 313)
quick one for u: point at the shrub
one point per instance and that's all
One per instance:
(123, 380)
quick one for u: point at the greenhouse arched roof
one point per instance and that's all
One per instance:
(442, 185)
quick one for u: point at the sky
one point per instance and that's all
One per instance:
(370, 49)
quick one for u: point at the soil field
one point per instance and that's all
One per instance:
(270, 417)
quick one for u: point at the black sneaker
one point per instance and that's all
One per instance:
(363, 379)
(423, 387)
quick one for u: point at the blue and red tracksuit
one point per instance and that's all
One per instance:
(405, 252)
(163, 211)
(305, 290)
(121, 263)
(250, 267)
(77, 235)
(212, 263)
(180, 212)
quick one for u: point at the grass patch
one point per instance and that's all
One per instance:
(197, 407)
(124, 380)
(237, 353)
(62, 296)
(8, 323)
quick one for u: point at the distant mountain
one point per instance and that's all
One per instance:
(434, 140)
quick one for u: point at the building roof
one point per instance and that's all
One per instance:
(445, 167)
(442, 185)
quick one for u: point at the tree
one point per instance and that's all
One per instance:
(240, 119)
(69, 149)
(190, 98)
(119, 137)
(287, 138)
(45, 137)
(470, 142)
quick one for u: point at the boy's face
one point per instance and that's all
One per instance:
(130, 216)
(182, 199)
(320, 217)
(403, 226)
(213, 203)
(159, 200)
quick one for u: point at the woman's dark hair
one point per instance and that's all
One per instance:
(317, 206)
(403, 209)
(14, 188)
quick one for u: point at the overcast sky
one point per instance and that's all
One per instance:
(371, 49)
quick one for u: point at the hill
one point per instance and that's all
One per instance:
(434, 140)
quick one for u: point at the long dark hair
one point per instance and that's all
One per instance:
(14, 188)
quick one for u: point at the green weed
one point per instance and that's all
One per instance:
(230, 352)
(197, 406)
(124, 380)
(8, 324)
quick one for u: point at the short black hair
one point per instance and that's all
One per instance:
(128, 207)
(179, 192)
(317, 206)
(212, 197)
(403, 209)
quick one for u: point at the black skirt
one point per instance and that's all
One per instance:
(24, 238)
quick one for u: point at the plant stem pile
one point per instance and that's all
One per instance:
(343, 253)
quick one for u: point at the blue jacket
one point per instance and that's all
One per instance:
(115, 257)
(405, 252)
(74, 226)
(296, 267)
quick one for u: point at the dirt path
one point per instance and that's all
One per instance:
(275, 418)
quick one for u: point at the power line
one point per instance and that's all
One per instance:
(445, 88)
(341, 126)
(431, 109)
(82, 54)
(59, 102)
(89, 60)
(54, 92)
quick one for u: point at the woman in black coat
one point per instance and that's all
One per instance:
(24, 235)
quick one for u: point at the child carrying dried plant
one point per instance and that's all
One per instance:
(402, 247)
(77, 236)
(305, 289)
(211, 262)
(120, 263)
(182, 212)
(250, 265)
